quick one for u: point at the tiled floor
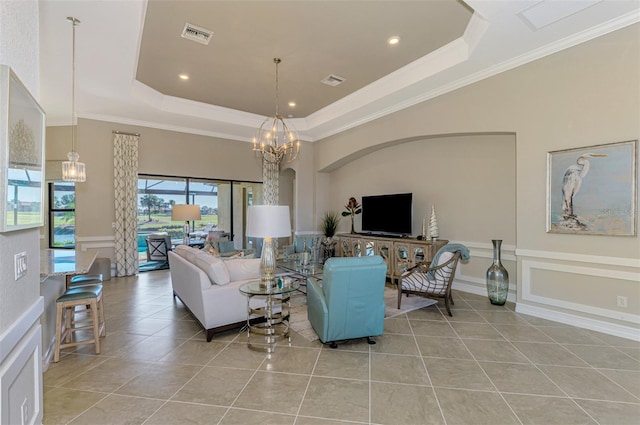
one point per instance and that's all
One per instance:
(485, 365)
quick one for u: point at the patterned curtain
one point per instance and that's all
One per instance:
(125, 177)
(270, 182)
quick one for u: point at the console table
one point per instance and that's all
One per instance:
(400, 254)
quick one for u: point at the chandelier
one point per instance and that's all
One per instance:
(73, 170)
(276, 141)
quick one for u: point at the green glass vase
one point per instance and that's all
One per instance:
(497, 277)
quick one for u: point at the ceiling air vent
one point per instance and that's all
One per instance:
(196, 33)
(332, 80)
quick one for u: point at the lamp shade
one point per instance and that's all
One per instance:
(268, 221)
(184, 212)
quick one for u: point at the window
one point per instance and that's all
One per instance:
(62, 215)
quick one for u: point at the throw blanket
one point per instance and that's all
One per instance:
(451, 247)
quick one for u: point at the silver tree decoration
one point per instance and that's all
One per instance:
(434, 232)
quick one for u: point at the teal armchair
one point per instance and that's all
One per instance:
(349, 303)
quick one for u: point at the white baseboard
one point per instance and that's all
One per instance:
(473, 289)
(556, 316)
(579, 321)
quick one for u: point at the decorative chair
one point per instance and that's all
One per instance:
(431, 281)
(350, 301)
(157, 247)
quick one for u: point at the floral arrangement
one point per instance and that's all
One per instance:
(353, 207)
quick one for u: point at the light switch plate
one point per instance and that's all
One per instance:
(20, 264)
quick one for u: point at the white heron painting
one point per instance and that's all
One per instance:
(592, 190)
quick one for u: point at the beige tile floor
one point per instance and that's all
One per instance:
(485, 365)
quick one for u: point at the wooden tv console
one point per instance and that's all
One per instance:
(400, 254)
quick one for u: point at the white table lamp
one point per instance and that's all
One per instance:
(268, 221)
(186, 213)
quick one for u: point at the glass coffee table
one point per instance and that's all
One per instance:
(270, 317)
(295, 268)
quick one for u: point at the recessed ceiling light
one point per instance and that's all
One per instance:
(393, 40)
(292, 104)
(184, 76)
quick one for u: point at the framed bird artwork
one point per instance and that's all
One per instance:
(592, 190)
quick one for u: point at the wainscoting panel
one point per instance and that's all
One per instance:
(96, 242)
(588, 276)
(21, 369)
(528, 291)
(105, 245)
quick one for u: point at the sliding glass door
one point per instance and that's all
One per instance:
(222, 207)
(214, 200)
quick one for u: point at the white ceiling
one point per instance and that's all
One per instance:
(128, 55)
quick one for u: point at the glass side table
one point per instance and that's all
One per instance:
(270, 317)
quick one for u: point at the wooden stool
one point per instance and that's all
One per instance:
(66, 323)
(75, 281)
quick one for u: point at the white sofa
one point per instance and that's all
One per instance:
(208, 287)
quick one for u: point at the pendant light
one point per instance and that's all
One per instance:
(73, 170)
(276, 141)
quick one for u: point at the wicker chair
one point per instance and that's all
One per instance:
(431, 282)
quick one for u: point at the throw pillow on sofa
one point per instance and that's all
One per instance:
(243, 269)
(214, 267)
(214, 243)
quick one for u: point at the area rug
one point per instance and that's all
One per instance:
(298, 319)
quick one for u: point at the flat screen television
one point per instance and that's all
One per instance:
(388, 214)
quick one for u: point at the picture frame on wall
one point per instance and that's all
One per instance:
(592, 190)
(22, 134)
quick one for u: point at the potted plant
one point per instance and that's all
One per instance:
(329, 225)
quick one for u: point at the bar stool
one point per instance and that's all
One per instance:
(66, 323)
(83, 280)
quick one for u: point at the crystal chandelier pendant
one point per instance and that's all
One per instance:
(276, 142)
(73, 170)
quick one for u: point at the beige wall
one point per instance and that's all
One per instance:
(586, 95)
(470, 179)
